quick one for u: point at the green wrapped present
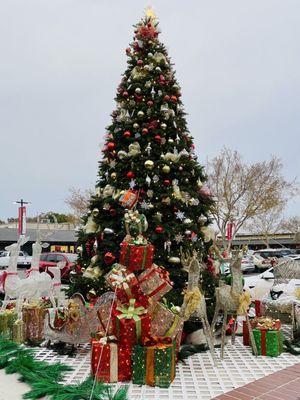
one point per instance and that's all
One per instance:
(268, 342)
(7, 320)
(154, 364)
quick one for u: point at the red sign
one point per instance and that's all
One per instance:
(22, 221)
(230, 231)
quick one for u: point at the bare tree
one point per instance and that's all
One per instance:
(292, 224)
(78, 201)
(268, 223)
(243, 191)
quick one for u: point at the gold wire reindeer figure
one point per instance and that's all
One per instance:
(194, 300)
(232, 299)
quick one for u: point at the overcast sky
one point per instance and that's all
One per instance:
(238, 63)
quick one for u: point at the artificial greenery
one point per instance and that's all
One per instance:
(171, 189)
(45, 379)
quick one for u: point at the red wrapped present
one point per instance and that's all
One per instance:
(129, 199)
(258, 308)
(131, 323)
(155, 282)
(126, 285)
(135, 257)
(110, 362)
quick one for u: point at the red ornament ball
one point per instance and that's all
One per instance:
(112, 212)
(157, 138)
(145, 131)
(173, 99)
(109, 258)
(149, 103)
(125, 94)
(167, 97)
(110, 146)
(139, 62)
(127, 134)
(159, 229)
(130, 174)
(167, 182)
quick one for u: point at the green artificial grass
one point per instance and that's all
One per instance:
(45, 378)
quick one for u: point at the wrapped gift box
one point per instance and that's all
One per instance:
(136, 257)
(268, 342)
(129, 199)
(260, 323)
(166, 322)
(125, 284)
(155, 282)
(33, 318)
(154, 364)
(7, 320)
(131, 323)
(110, 362)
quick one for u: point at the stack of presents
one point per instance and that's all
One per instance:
(140, 334)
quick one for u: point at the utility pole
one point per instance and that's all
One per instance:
(22, 216)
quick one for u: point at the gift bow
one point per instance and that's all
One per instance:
(107, 339)
(157, 341)
(131, 311)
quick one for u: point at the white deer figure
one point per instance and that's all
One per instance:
(11, 281)
(37, 284)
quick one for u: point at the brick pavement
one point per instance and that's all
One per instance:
(282, 385)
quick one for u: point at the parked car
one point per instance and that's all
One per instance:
(261, 285)
(51, 259)
(273, 253)
(247, 264)
(260, 262)
(24, 260)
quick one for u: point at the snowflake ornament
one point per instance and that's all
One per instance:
(180, 215)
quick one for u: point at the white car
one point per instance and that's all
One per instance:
(261, 285)
(247, 264)
(23, 260)
(260, 262)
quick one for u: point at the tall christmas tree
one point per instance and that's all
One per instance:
(148, 159)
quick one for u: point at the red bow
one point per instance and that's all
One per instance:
(4, 276)
(157, 341)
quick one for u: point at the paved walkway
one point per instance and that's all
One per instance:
(282, 385)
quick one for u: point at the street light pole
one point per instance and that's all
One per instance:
(22, 216)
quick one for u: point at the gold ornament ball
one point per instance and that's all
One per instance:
(149, 164)
(171, 140)
(174, 260)
(166, 169)
(95, 212)
(163, 126)
(136, 125)
(113, 175)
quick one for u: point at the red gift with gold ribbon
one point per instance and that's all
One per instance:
(125, 284)
(110, 362)
(136, 257)
(131, 323)
(154, 363)
(155, 282)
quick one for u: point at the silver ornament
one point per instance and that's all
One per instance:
(136, 125)
(174, 260)
(187, 221)
(108, 231)
(163, 126)
(138, 90)
(140, 114)
(158, 69)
